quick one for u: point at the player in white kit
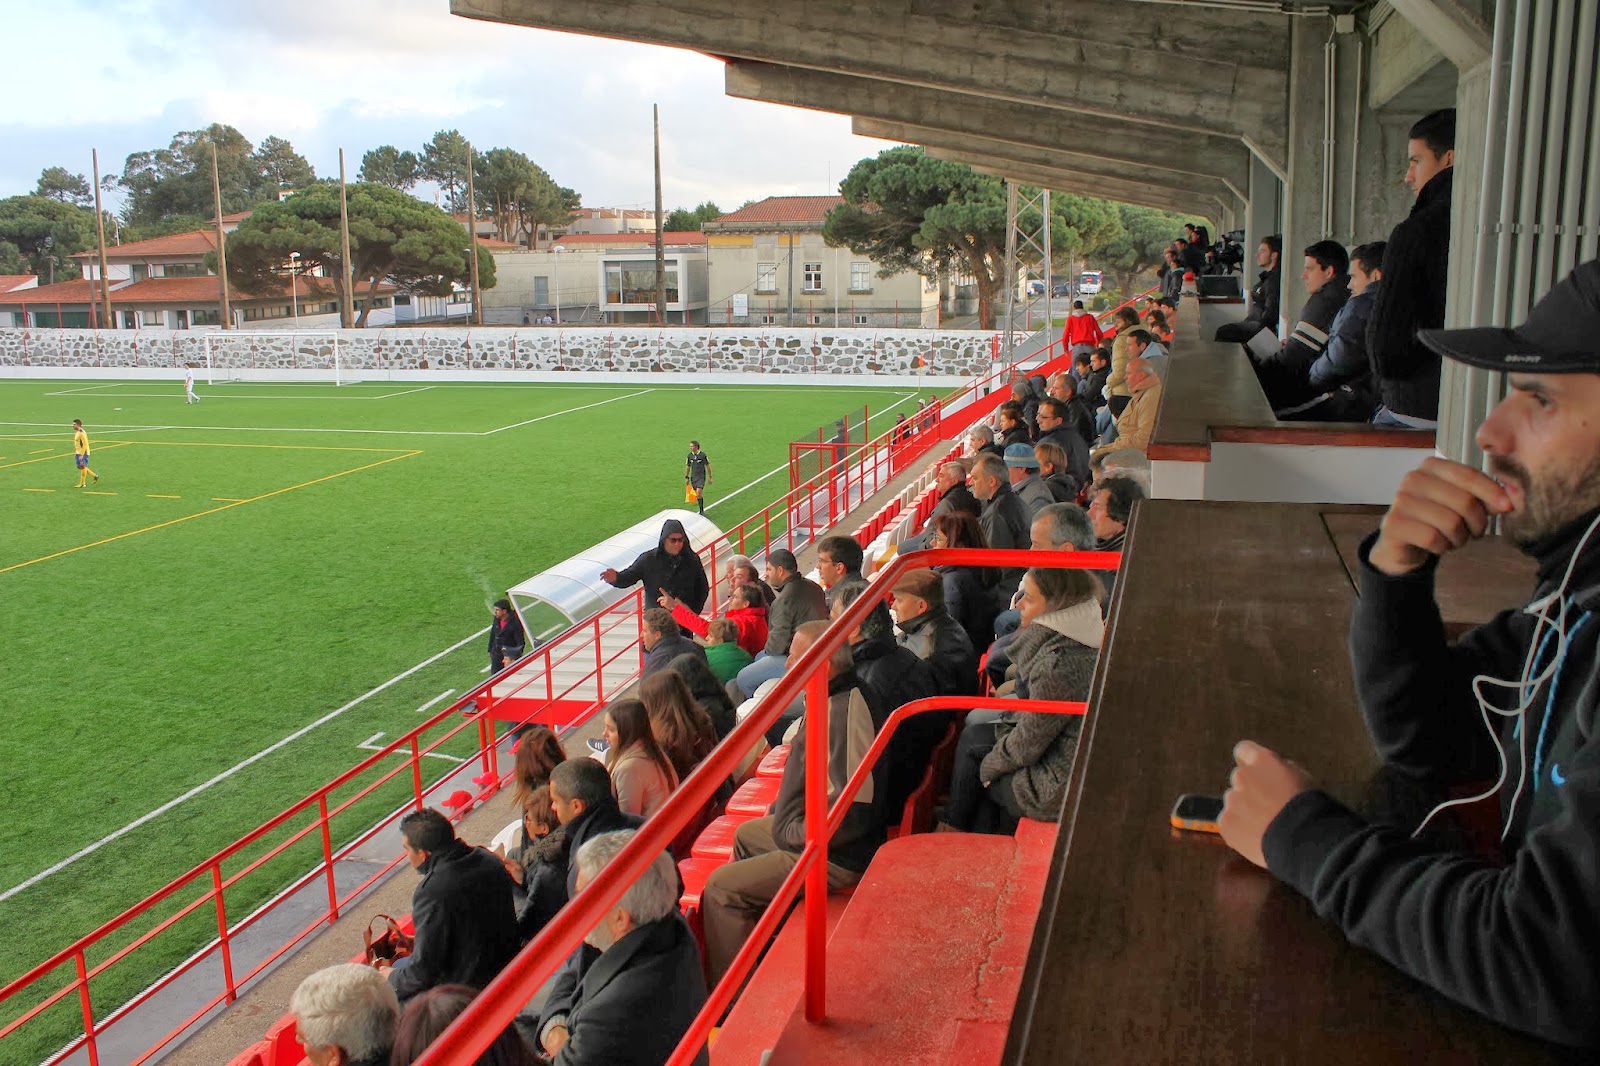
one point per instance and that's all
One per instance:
(188, 386)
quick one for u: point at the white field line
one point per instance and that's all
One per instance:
(446, 694)
(571, 410)
(372, 744)
(785, 466)
(119, 428)
(209, 395)
(172, 804)
(775, 470)
(85, 388)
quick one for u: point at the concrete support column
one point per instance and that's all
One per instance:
(1465, 394)
(1263, 216)
(1321, 155)
(1527, 167)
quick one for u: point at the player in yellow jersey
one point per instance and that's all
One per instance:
(80, 454)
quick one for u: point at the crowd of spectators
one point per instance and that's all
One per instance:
(631, 990)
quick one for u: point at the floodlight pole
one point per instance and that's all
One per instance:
(294, 292)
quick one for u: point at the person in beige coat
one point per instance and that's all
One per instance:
(1138, 420)
(641, 774)
(1117, 384)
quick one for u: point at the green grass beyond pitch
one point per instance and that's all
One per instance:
(251, 563)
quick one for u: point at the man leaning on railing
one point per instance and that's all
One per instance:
(766, 849)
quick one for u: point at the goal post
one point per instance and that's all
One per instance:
(271, 355)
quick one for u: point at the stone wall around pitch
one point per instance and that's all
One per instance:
(544, 350)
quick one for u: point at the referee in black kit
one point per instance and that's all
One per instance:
(697, 471)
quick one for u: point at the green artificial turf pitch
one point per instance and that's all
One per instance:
(249, 564)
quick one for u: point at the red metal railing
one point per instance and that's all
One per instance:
(492, 1011)
(213, 885)
(481, 706)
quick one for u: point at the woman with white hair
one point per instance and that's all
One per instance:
(345, 1016)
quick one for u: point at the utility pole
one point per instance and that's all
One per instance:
(347, 299)
(222, 248)
(661, 249)
(100, 231)
(476, 317)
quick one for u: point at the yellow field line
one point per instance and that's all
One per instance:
(64, 455)
(202, 514)
(38, 490)
(91, 492)
(108, 441)
(158, 496)
(226, 499)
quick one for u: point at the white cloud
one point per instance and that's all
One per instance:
(357, 73)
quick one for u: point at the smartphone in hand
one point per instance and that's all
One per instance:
(1197, 814)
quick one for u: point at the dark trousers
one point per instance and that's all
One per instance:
(1239, 332)
(700, 494)
(972, 807)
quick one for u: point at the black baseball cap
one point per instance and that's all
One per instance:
(1560, 336)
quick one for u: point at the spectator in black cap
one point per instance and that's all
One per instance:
(799, 600)
(1511, 701)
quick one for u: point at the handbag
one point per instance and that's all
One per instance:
(387, 947)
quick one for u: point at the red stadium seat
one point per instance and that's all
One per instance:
(254, 1055)
(282, 1047)
(716, 840)
(694, 873)
(773, 762)
(754, 797)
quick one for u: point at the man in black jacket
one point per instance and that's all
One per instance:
(898, 676)
(954, 497)
(581, 797)
(663, 641)
(1512, 940)
(1054, 428)
(1263, 297)
(671, 566)
(1004, 520)
(640, 984)
(466, 922)
(930, 633)
(1416, 265)
(507, 641)
(799, 600)
(1285, 375)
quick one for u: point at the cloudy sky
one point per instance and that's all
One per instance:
(355, 74)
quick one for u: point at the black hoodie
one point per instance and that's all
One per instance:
(1416, 264)
(1515, 942)
(683, 574)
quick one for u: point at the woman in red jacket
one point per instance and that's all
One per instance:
(750, 615)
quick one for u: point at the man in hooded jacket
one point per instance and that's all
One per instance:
(671, 566)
